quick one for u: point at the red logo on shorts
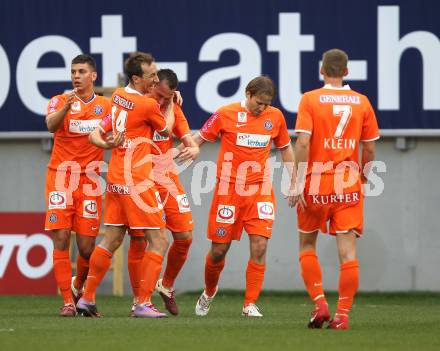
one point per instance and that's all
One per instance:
(91, 208)
(57, 199)
(266, 209)
(225, 213)
(184, 202)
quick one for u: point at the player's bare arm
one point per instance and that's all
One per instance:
(54, 120)
(190, 151)
(301, 157)
(368, 155)
(97, 138)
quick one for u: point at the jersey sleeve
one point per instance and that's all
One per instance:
(212, 128)
(181, 127)
(304, 119)
(370, 129)
(282, 139)
(154, 117)
(105, 125)
(55, 104)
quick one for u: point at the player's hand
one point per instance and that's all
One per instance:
(70, 98)
(114, 140)
(189, 153)
(295, 199)
(177, 98)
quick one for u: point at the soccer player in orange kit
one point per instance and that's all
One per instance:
(175, 201)
(131, 199)
(71, 117)
(243, 196)
(332, 122)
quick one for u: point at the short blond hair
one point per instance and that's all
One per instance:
(334, 63)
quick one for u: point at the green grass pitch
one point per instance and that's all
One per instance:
(378, 321)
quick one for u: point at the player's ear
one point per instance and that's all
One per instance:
(248, 95)
(94, 76)
(345, 72)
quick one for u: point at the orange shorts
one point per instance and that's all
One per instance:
(124, 207)
(344, 212)
(176, 206)
(230, 213)
(72, 210)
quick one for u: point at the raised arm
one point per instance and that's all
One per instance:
(55, 119)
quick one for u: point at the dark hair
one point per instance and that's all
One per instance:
(133, 65)
(261, 85)
(334, 63)
(168, 75)
(84, 58)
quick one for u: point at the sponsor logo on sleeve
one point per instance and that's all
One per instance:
(183, 203)
(266, 210)
(57, 200)
(90, 209)
(225, 214)
(253, 140)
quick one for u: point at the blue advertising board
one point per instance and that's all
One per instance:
(216, 47)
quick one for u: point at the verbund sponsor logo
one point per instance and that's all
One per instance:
(252, 140)
(83, 127)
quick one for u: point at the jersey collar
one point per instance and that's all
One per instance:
(131, 91)
(329, 86)
(88, 101)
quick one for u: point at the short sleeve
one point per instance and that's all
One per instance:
(212, 128)
(370, 129)
(55, 104)
(105, 125)
(304, 120)
(282, 139)
(181, 127)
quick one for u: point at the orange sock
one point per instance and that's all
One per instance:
(82, 268)
(151, 267)
(312, 276)
(176, 258)
(136, 253)
(212, 274)
(254, 281)
(63, 274)
(348, 285)
(100, 262)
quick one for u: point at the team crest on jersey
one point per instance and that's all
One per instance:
(221, 232)
(183, 203)
(266, 210)
(57, 200)
(90, 209)
(98, 110)
(268, 124)
(225, 214)
(242, 117)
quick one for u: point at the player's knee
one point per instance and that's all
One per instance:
(218, 253)
(61, 239)
(86, 251)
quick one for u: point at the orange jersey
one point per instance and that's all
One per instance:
(137, 116)
(163, 159)
(246, 141)
(337, 120)
(71, 141)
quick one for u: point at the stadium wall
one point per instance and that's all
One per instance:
(399, 250)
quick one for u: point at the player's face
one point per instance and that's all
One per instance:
(83, 76)
(162, 94)
(256, 104)
(149, 78)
